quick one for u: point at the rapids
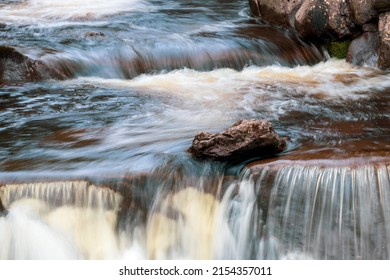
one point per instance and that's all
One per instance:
(93, 162)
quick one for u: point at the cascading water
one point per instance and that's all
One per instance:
(58, 220)
(93, 162)
(273, 211)
(326, 212)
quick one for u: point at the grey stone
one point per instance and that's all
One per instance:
(364, 50)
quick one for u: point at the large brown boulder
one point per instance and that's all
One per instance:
(312, 19)
(384, 44)
(15, 66)
(363, 11)
(243, 140)
(340, 18)
(277, 12)
(324, 19)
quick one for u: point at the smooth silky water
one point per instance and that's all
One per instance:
(93, 162)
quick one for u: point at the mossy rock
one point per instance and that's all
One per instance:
(338, 49)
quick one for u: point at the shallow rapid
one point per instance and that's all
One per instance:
(100, 147)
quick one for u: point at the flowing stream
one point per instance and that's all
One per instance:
(94, 162)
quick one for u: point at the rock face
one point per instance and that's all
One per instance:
(384, 45)
(245, 138)
(363, 11)
(340, 18)
(317, 18)
(311, 20)
(323, 21)
(15, 66)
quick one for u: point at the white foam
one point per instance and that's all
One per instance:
(327, 80)
(24, 235)
(225, 88)
(35, 229)
(31, 11)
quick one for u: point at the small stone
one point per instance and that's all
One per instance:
(92, 34)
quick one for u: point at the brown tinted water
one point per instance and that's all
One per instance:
(111, 129)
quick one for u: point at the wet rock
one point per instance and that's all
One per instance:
(244, 139)
(329, 19)
(97, 35)
(340, 18)
(363, 11)
(364, 50)
(277, 12)
(314, 18)
(326, 21)
(311, 19)
(381, 6)
(384, 44)
(254, 8)
(15, 66)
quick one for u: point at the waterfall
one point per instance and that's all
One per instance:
(326, 212)
(58, 220)
(271, 211)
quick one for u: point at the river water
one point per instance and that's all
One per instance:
(97, 154)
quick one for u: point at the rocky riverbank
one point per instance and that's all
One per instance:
(363, 24)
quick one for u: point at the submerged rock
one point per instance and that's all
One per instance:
(92, 34)
(244, 139)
